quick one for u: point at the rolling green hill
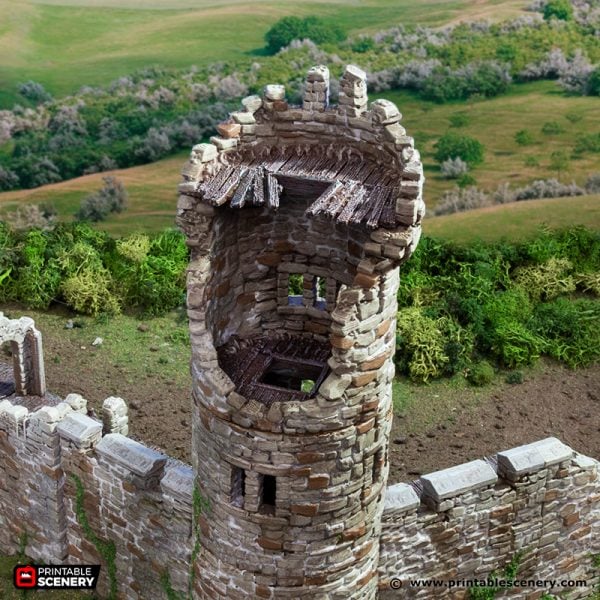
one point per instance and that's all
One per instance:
(65, 44)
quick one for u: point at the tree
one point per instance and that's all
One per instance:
(34, 91)
(558, 9)
(293, 28)
(453, 145)
(97, 206)
(594, 83)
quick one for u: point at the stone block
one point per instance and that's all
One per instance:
(252, 103)
(204, 152)
(178, 481)
(454, 481)
(400, 497)
(130, 454)
(274, 92)
(80, 429)
(530, 458)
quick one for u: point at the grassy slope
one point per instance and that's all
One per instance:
(494, 122)
(517, 220)
(65, 44)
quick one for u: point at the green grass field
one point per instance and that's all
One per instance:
(516, 221)
(152, 188)
(65, 44)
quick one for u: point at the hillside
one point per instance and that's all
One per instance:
(152, 188)
(65, 44)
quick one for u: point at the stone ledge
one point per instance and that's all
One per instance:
(532, 457)
(178, 482)
(80, 429)
(400, 497)
(458, 480)
(132, 455)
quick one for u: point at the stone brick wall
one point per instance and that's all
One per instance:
(541, 500)
(133, 497)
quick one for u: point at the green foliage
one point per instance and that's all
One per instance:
(452, 145)
(459, 119)
(588, 142)
(514, 377)
(571, 329)
(481, 373)
(552, 128)
(558, 9)
(288, 29)
(594, 82)
(546, 281)
(107, 550)
(493, 301)
(509, 573)
(523, 137)
(362, 45)
(532, 161)
(92, 273)
(465, 180)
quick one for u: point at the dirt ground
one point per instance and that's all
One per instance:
(435, 426)
(552, 401)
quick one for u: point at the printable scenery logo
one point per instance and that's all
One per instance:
(56, 577)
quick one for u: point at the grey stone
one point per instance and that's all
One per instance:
(79, 428)
(458, 480)
(530, 458)
(401, 497)
(130, 454)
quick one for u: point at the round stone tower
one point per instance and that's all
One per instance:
(297, 219)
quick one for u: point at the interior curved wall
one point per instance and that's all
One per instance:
(254, 252)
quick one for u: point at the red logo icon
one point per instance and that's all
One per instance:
(25, 577)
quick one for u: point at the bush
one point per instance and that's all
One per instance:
(558, 9)
(592, 185)
(481, 373)
(524, 137)
(552, 128)
(514, 377)
(459, 119)
(34, 91)
(112, 197)
(30, 216)
(363, 44)
(546, 281)
(288, 29)
(454, 168)
(459, 200)
(593, 83)
(456, 145)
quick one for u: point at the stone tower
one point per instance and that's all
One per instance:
(298, 219)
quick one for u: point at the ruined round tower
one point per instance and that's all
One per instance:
(298, 219)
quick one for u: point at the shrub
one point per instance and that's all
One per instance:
(112, 197)
(454, 168)
(34, 91)
(592, 185)
(552, 128)
(524, 137)
(466, 180)
(89, 291)
(547, 188)
(558, 9)
(363, 44)
(455, 145)
(459, 119)
(571, 329)
(459, 200)
(293, 28)
(593, 83)
(532, 161)
(588, 142)
(31, 216)
(481, 373)
(548, 280)
(8, 179)
(514, 377)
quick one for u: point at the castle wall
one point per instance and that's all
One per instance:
(461, 523)
(541, 500)
(58, 469)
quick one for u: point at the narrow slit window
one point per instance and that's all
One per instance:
(295, 289)
(268, 493)
(321, 293)
(238, 486)
(378, 461)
